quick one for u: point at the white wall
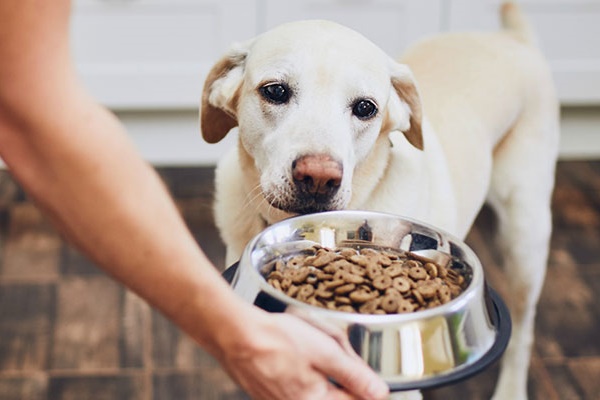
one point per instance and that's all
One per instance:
(580, 133)
(146, 60)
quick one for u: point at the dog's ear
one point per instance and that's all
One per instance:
(218, 108)
(404, 110)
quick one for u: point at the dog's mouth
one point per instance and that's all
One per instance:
(302, 203)
(304, 207)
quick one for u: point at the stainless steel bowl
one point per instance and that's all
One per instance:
(422, 349)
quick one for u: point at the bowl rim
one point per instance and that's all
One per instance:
(474, 288)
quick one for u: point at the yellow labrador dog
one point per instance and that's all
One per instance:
(327, 121)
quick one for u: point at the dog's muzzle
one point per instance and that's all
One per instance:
(316, 180)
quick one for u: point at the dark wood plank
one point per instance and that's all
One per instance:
(9, 190)
(165, 338)
(189, 183)
(73, 262)
(198, 216)
(104, 387)
(21, 388)
(586, 372)
(26, 312)
(566, 321)
(564, 382)
(134, 332)
(32, 247)
(479, 387)
(173, 349)
(86, 334)
(204, 384)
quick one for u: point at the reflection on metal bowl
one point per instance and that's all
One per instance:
(415, 350)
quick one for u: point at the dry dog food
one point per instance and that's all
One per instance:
(366, 280)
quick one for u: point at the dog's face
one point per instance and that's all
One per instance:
(311, 99)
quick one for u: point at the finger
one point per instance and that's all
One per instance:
(352, 373)
(330, 329)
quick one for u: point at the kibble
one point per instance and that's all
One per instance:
(366, 280)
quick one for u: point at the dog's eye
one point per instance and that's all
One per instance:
(364, 109)
(276, 93)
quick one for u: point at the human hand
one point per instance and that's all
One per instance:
(284, 357)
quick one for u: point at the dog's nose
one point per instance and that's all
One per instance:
(317, 174)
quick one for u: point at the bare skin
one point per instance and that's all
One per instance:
(74, 159)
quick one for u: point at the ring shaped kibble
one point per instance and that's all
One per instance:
(365, 280)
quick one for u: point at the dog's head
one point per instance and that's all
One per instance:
(311, 100)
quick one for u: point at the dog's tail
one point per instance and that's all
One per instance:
(516, 23)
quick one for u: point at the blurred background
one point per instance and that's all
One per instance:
(147, 59)
(69, 332)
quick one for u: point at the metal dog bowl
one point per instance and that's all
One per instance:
(417, 350)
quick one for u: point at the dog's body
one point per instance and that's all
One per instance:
(327, 121)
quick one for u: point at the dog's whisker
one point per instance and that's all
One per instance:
(271, 209)
(252, 195)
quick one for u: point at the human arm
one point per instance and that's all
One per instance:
(75, 160)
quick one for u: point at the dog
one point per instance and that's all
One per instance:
(327, 121)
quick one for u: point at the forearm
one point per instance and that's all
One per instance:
(74, 158)
(79, 166)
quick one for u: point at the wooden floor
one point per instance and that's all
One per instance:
(69, 332)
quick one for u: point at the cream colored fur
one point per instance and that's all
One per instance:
(463, 119)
